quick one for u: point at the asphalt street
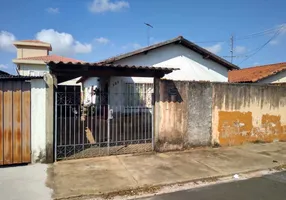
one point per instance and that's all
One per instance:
(269, 187)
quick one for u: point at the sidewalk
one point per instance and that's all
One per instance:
(114, 173)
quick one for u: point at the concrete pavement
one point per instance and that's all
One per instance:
(116, 173)
(24, 183)
(269, 187)
(96, 176)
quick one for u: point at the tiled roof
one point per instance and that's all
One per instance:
(34, 41)
(178, 40)
(255, 74)
(52, 58)
(56, 67)
(9, 76)
(112, 65)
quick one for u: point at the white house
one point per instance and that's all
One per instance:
(271, 73)
(195, 64)
(32, 56)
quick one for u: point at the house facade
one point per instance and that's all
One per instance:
(193, 62)
(271, 73)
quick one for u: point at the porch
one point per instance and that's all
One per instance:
(111, 116)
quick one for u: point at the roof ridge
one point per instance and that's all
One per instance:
(181, 40)
(51, 58)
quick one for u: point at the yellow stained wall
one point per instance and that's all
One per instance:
(244, 113)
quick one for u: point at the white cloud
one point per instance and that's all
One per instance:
(215, 48)
(82, 48)
(53, 10)
(274, 42)
(63, 43)
(6, 41)
(256, 63)
(282, 28)
(240, 49)
(100, 6)
(102, 40)
(132, 46)
(2, 66)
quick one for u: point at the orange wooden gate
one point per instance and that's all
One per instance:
(15, 122)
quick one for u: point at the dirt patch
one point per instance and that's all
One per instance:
(280, 168)
(96, 151)
(131, 192)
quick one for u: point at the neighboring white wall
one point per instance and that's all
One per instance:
(71, 82)
(33, 70)
(38, 119)
(192, 65)
(278, 78)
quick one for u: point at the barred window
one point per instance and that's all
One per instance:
(138, 94)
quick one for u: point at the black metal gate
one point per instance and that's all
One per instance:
(112, 124)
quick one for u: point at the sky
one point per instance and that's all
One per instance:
(93, 30)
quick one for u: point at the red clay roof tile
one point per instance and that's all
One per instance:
(53, 58)
(254, 74)
(34, 41)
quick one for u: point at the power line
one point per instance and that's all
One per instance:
(258, 34)
(250, 36)
(261, 47)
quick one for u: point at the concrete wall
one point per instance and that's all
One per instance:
(278, 78)
(182, 114)
(248, 113)
(33, 70)
(203, 113)
(25, 51)
(38, 120)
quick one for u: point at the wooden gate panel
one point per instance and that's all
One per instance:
(15, 122)
(17, 157)
(26, 122)
(8, 125)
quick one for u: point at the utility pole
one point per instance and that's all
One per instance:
(231, 48)
(148, 32)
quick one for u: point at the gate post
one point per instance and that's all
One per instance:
(156, 113)
(108, 129)
(51, 82)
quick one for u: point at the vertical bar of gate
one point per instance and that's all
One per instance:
(74, 118)
(78, 123)
(108, 129)
(65, 121)
(152, 122)
(56, 125)
(70, 129)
